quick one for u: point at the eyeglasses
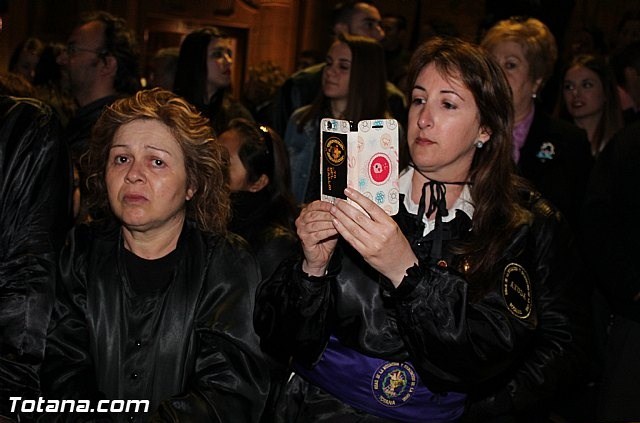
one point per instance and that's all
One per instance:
(73, 49)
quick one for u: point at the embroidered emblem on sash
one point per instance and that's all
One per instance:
(516, 290)
(394, 383)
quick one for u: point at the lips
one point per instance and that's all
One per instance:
(424, 141)
(134, 198)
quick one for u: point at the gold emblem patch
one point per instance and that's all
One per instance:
(516, 290)
(334, 151)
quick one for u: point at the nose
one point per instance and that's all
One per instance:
(425, 119)
(329, 69)
(378, 33)
(575, 91)
(135, 173)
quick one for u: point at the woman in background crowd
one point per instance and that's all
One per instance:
(25, 57)
(203, 76)
(590, 99)
(353, 88)
(262, 207)
(554, 155)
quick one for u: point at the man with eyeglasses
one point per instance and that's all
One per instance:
(101, 64)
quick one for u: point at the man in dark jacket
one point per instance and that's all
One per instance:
(101, 64)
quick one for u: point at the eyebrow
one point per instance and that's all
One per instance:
(418, 87)
(341, 60)
(220, 48)
(150, 147)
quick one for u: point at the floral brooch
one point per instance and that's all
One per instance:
(547, 152)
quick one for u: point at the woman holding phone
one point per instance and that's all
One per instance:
(436, 313)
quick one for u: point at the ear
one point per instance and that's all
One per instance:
(110, 65)
(262, 182)
(340, 28)
(484, 134)
(190, 193)
(536, 86)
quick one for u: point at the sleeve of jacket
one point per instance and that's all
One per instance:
(294, 313)
(455, 344)
(231, 377)
(35, 189)
(276, 249)
(68, 369)
(484, 345)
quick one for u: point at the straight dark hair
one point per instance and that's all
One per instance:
(496, 189)
(367, 98)
(191, 70)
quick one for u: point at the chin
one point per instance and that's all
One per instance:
(133, 220)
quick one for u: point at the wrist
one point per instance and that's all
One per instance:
(313, 271)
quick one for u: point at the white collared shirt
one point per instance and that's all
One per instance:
(463, 202)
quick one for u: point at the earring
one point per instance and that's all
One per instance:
(534, 95)
(479, 144)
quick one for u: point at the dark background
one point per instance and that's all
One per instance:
(277, 30)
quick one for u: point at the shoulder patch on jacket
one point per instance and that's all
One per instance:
(516, 290)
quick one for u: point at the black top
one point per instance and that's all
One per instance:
(149, 275)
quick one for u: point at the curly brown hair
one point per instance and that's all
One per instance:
(206, 161)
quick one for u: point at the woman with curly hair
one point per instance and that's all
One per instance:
(154, 299)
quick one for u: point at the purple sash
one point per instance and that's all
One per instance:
(385, 389)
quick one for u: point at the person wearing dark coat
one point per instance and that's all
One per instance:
(155, 300)
(262, 206)
(468, 304)
(554, 155)
(611, 235)
(35, 204)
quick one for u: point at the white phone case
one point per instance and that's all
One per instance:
(365, 158)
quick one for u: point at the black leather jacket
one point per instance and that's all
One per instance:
(35, 206)
(189, 348)
(516, 345)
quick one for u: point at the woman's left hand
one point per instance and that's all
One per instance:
(376, 237)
